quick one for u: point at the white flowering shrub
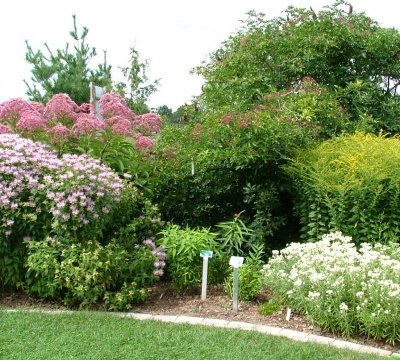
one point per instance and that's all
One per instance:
(341, 288)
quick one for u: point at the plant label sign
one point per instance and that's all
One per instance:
(206, 253)
(236, 261)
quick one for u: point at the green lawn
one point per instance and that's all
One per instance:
(89, 335)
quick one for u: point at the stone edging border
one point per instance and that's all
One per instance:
(265, 329)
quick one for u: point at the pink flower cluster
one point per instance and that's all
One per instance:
(87, 124)
(61, 107)
(147, 123)
(113, 104)
(59, 133)
(62, 119)
(30, 122)
(74, 190)
(143, 143)
(159, 254)
(39, 107)
(20, 115)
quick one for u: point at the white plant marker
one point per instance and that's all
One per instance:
(288, 314)
(192, 167)
(236, 262)
(205, 254)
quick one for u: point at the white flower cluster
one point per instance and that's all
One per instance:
(339, 286)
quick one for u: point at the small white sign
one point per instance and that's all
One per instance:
(236, 261)
(206, 253)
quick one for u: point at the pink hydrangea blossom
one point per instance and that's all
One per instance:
(112, 104)
(143, 143)
(149, 123)
(87, 124)
(61, 107)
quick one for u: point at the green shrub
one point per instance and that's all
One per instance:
(351, 184)
(236, 161)
(341, 288)
(184, 264)
(86, 274)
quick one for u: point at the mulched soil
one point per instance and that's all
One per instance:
(163, 300)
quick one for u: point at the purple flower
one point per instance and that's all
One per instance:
(158, 272)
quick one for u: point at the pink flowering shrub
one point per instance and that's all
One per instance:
(59, 134)
(120, 139)
(113, 104)
(143, 143)
(73, 190)
(12, 110)
(147, 123)
(86, 108)
(87, 124)
(61, 109)
(29, 122)
(42, 194)
(39, 107)
(122, 127)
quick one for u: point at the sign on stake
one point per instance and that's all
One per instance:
(205, 254)
(236, 262)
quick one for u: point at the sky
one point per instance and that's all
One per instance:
(173, 35)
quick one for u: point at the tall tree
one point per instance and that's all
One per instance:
(136, 87)
(66, 70)
(345, 51)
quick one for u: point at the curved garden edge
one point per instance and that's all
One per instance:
(166, 306)
(239, 325)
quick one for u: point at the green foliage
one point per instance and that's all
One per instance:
(127, 295)
(250, 276)
(343, 50)
(86, 274)
(350, 184)
(236, 162)
(184, 264)
(235, 237)
(63, 71)
(269, 307)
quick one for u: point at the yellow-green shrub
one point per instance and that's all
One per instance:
(352, 184)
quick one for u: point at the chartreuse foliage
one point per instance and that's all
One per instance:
(340, 48)
(351, 184)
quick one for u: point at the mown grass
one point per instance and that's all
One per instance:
(89, 335)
